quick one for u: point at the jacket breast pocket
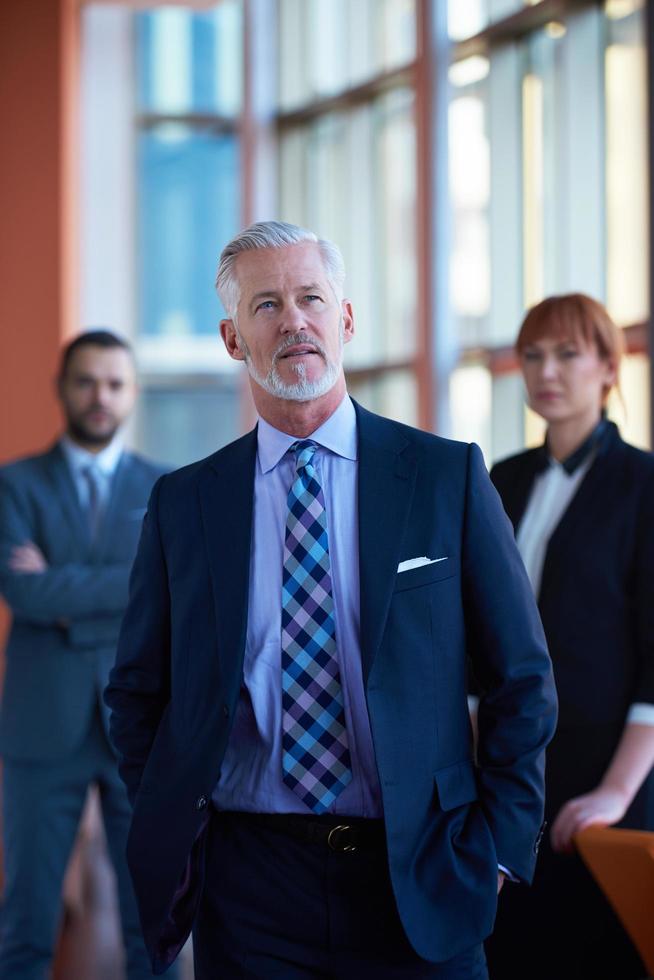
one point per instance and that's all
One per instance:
(438, 571)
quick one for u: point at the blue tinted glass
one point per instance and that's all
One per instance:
(188, 207)
(204, 61)
(189, 62)
(178, 425)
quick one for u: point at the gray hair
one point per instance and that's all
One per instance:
(273, 234)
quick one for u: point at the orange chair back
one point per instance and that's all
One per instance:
(622, 863)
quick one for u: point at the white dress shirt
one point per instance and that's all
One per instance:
(104, 463)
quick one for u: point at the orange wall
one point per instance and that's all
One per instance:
(38, 69)
(37, 119)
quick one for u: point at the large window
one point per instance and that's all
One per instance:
(347, 151)
(467, 165)
(162, 132)
(548, 194)
(188, 191)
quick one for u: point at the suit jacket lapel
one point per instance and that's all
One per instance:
(386, 485)
(226, 492)
(591, 496)
(66, 492)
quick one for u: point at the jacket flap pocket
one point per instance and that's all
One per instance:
(456, 785)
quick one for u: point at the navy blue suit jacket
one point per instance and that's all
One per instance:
(597, 606)
(597, 591)
(66, 621)
(175, 685)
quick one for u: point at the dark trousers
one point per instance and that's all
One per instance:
(42, 804)
(562, 928)
(277, 907)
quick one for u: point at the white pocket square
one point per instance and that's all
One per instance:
(404, 566)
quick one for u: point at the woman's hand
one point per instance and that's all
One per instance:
(603, 807)
(606, 805)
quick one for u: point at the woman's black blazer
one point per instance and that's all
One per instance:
(597, 592)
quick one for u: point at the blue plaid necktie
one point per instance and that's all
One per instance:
(315, 755)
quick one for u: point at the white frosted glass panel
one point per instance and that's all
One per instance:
(505, 210)
(508, 428)
(357, 246)
(327, 177)
(469, 184)
(395, 166)
(292, 171)
(327, 41)
(627, 175)
(229, 61)
(394, 395)
(466, 17)
(292, 52)
(361, 53)
(632, 412)
(396, 21)
(469, 153)
(471, 406)
(171, 61)
(580, 232)
(533, 193)
(177, 425)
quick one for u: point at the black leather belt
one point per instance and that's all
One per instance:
(335, 832)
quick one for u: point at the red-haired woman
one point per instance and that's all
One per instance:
(583, 509)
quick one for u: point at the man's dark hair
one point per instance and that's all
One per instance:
(91, 338)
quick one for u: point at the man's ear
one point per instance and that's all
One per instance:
(348, 320)
(230, 339)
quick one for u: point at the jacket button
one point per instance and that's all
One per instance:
(226, 710)
(201, 802)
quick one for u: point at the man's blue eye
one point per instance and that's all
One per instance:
(266, 305)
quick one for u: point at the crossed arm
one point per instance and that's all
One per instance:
(45, 593)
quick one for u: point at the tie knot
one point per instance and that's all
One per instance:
(304, 452)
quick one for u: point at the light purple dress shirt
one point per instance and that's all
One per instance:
(251, 775)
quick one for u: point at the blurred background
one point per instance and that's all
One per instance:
(469, 157)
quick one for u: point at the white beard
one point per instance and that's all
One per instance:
(300, 390)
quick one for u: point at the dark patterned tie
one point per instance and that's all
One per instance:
(93, 510)
(315, 754)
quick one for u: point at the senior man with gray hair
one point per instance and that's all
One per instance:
(289, 698)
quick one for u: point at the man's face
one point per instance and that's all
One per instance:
(97, 393)
(290, 328)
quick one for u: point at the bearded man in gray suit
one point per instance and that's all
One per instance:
(69, 525)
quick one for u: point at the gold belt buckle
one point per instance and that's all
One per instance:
(332, 843)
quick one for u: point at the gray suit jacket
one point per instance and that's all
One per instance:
(66, 620)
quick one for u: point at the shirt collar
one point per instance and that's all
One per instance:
(338, 434)
(79, 459)
(581, 453)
